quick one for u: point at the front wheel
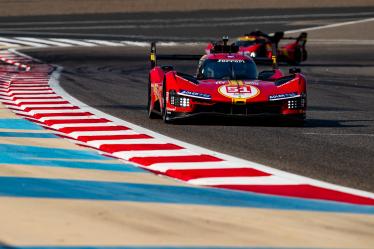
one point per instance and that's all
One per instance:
(150, 111)
(165, 115)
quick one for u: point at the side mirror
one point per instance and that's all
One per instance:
(294, 70)
(265, 75)
(167, 68)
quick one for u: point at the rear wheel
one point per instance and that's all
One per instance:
(298, 55)
(150, 111)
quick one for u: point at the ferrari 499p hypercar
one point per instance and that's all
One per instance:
(226, 83)
(259, 45)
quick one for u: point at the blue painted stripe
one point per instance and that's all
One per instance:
(27, 134)
(115, 191)
(19, 151)
(121, 167)
(39, 156)
(20, 124)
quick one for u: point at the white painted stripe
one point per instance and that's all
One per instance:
(341, 134)
(36, 95)
(340, 42)
(13, 107)
(77, 134)
(47, 105)
(16, 92)
(7, 44)
(22, 113)
(105, 43)
(163, 167)
(29, 87)
(259, 180)
(154, 153)
(335, 25)
(25, 43)
(60, 126)
(133, 43)
(14, 85)
(20, 101)
(67, 110)
(44, 41)
(98, 143)
(67, 117)
(74, 42)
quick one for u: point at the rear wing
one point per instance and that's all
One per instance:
(218, 48)
(154, 57)
(301, 39)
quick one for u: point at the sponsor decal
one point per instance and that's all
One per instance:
(254, 82)
(195, 94)
(239, 92)
(283, 96)
(234, 61)
(221, 82)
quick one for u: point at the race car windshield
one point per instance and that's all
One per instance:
(228, 69)
(245, 43)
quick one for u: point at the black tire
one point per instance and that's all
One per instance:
(151, 114)
(165, 116)
(298, 56)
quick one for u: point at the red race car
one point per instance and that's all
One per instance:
(259, 45)
(226, 83)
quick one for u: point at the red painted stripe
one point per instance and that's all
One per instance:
(51, 108)
(303, 191)
(96, 128)
(19, 85)
(189, 174)
(76, 121)
(147, 161)
(111, 148)
(30, 93)
(43, 103)
(112, 137)
(19, 98)
(29, 90)
(62, 114)
(8, 103)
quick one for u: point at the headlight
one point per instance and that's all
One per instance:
(179, 101)
(296, 103)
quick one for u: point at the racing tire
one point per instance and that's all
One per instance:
(150, 112)
(298, 56)
(164, 114)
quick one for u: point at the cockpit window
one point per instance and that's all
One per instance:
(245, 43)
(227, 69)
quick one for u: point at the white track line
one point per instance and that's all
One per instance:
(74, 42)
(25, 43)
(259, 180)
(44, 41)
(335, 25)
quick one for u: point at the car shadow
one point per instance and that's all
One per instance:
(266, 122)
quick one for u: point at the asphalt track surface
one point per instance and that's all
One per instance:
(176, 26)
(336, 144)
